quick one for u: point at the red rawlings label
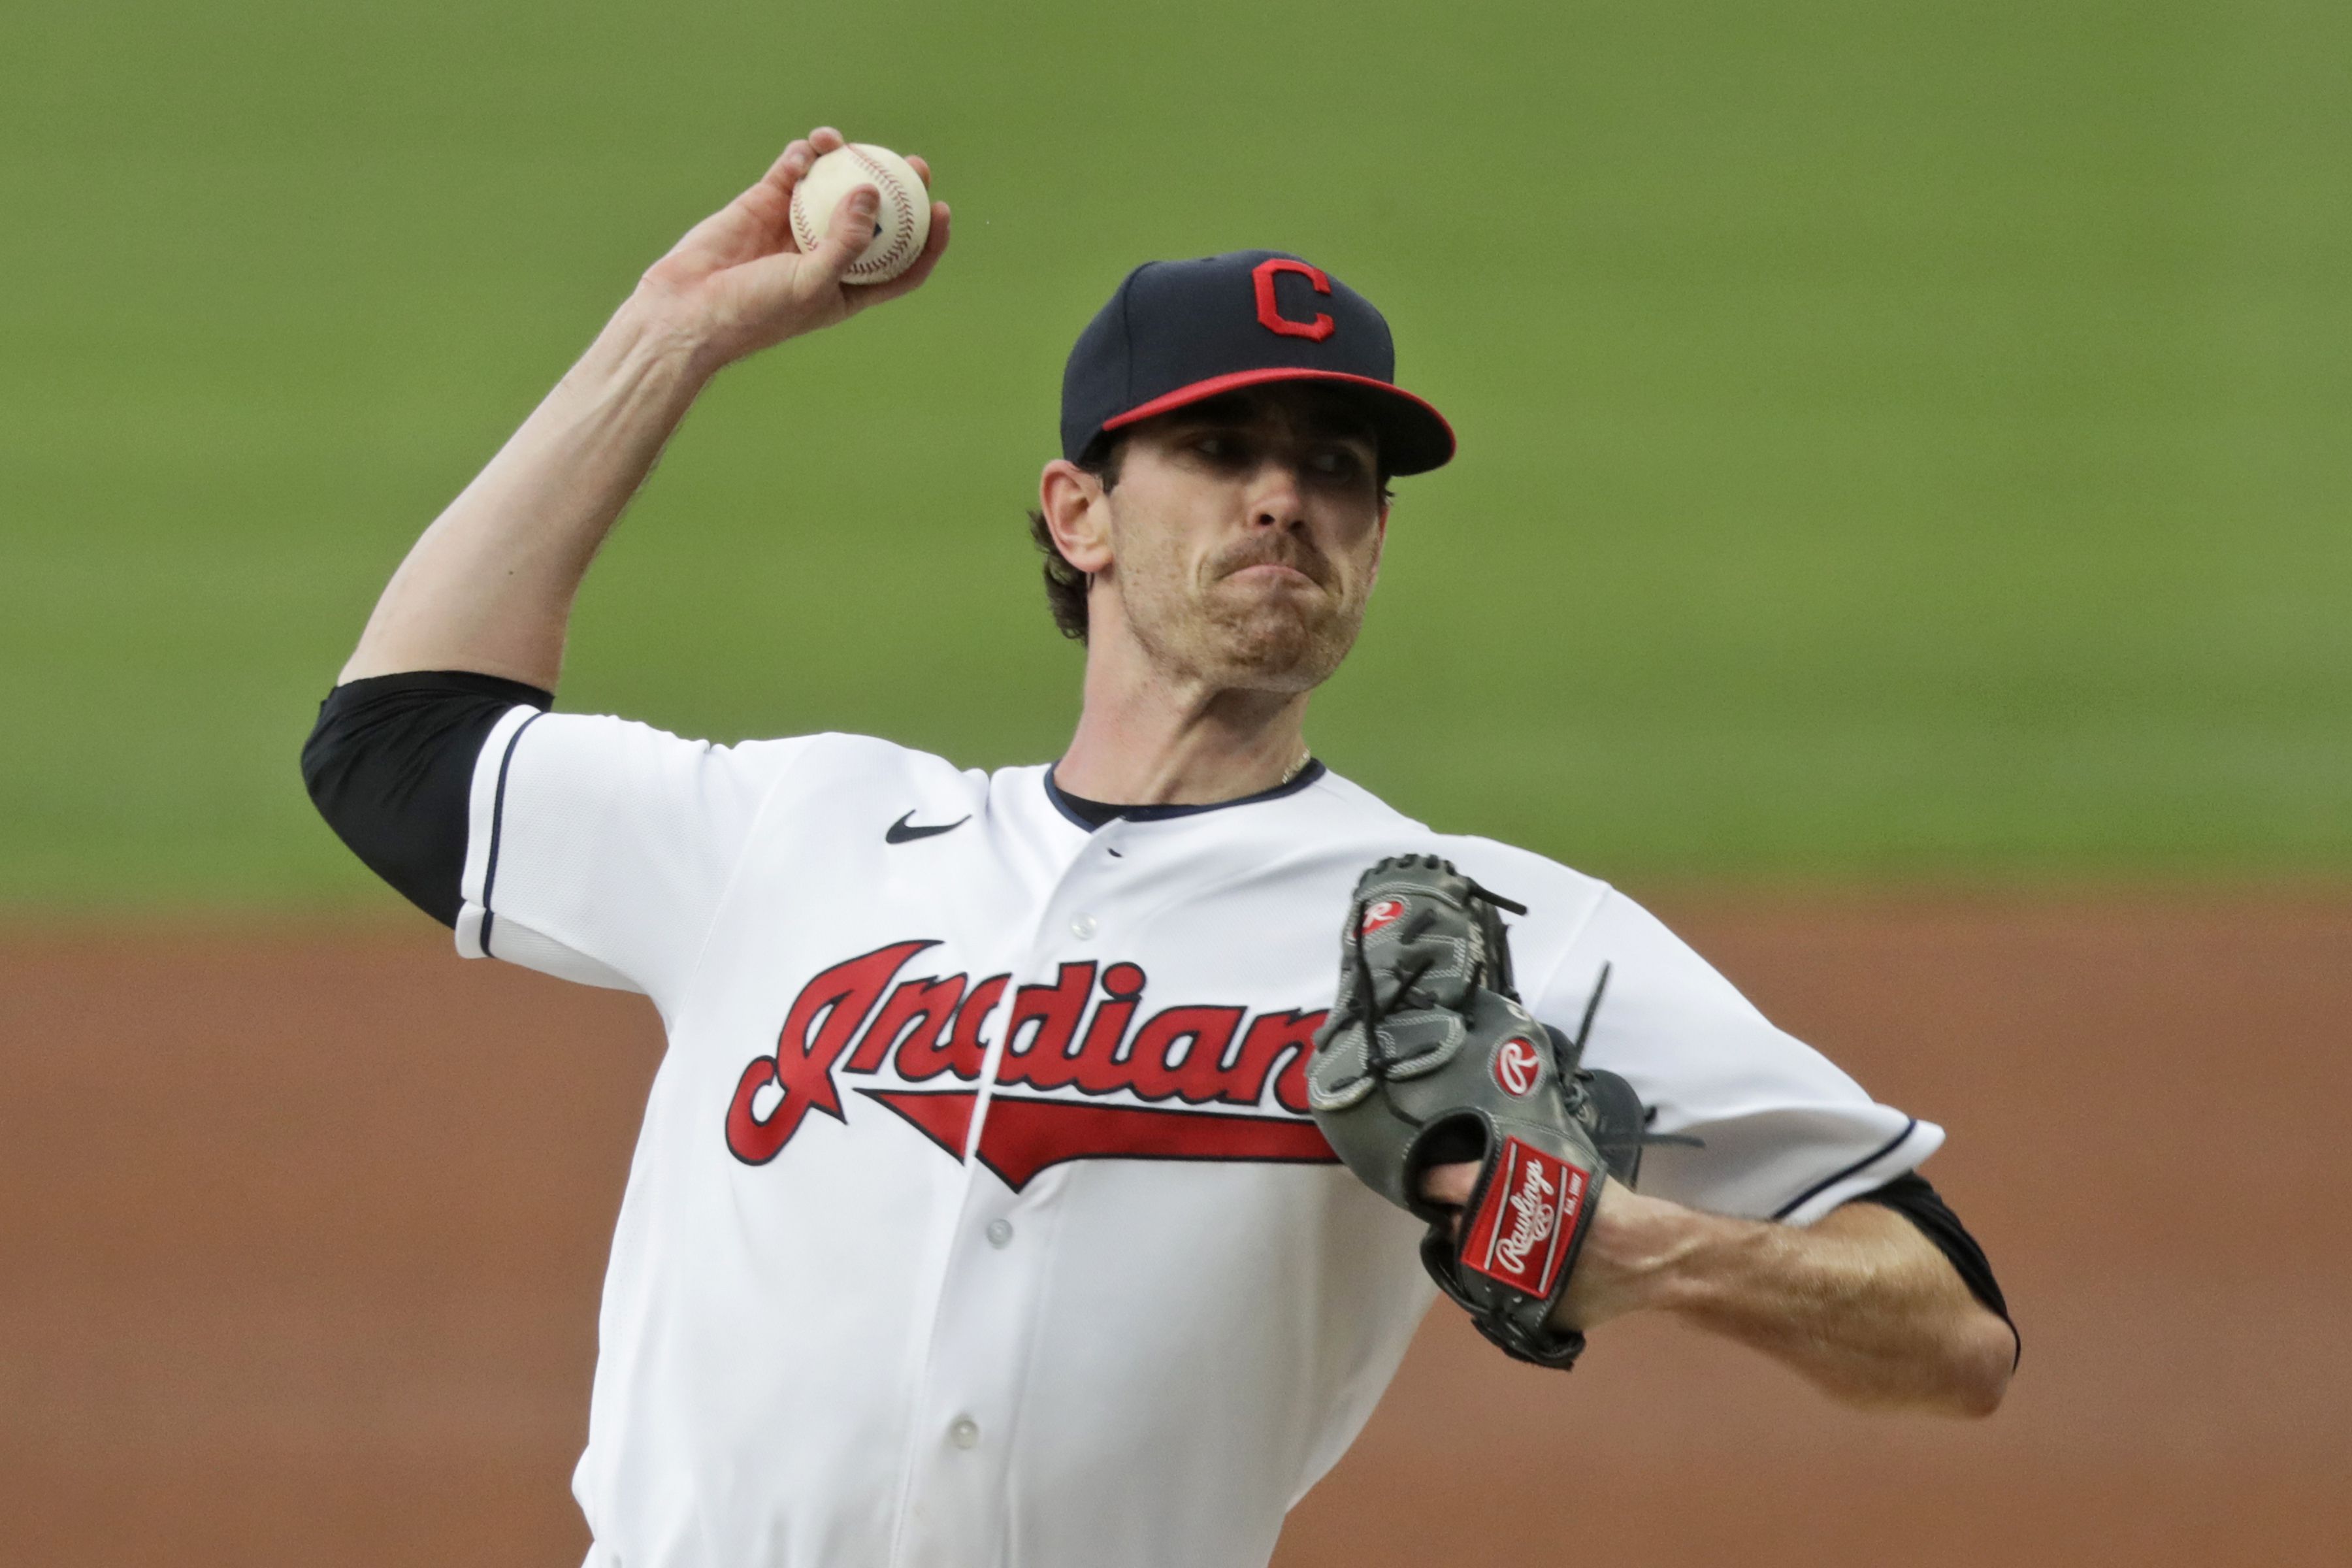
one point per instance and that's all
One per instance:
(1520, 1235)
(1380, 912)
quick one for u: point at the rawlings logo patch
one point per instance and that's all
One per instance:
(1520, 1234)
(1517, 1066)
(1380, 912)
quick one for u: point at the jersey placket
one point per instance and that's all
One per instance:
(958, 1509)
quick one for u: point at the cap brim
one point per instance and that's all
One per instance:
(1414, 437)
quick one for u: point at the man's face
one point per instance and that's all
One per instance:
(1246, 534)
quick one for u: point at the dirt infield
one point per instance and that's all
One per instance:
(302, 1237)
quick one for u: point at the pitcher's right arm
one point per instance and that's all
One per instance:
(472, 625)
(488, 588)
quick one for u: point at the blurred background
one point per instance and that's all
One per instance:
(1900, 531)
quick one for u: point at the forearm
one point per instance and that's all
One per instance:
(1860, 1303)
(489, 586)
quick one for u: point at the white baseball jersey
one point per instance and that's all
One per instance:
(977, 1220)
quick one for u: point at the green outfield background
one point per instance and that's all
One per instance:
(1899, 443)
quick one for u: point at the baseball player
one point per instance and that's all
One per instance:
(980, 1214)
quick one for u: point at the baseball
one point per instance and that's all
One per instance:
(901, 223)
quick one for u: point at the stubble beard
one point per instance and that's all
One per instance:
(1279, 643)
(1235, 637)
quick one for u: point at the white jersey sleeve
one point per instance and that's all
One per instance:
(1781, 1133)
(597, 849)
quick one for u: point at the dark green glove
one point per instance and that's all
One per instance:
(1428, 1059)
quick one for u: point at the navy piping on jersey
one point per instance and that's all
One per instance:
(498, 824)
(1834, 1177)
(1062, 800)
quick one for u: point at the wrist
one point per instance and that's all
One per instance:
(1660, 1249)
(652, 337)
(1696, 1257)
(1641, 1254)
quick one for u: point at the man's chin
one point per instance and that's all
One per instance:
(1284, 653)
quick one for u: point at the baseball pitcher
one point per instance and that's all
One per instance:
(1048, 1167)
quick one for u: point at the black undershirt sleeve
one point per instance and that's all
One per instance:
(390, 765)
(1910, 1196)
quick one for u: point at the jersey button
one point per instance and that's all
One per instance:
(964, 1432)
(1082, 927)
(1000, 1233)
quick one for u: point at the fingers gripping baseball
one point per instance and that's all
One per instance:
(738, 282)
(846, 236)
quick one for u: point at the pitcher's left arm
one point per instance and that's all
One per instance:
(1862, 1302)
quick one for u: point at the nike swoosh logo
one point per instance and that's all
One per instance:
(900, 832)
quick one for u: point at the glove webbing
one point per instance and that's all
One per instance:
(1376, 1053)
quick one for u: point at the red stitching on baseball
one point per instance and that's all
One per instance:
(903, 230)
(902, 236)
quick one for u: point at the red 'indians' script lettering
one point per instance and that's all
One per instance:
(931, 1027)
(806, 1051)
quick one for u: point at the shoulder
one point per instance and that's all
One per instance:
(1560, 900)
(603, 740)
(1500, 867)
(1351, 819)
(840, 754)
(622, 774)
(1343, 812)
(812, 780)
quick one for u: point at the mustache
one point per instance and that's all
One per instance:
(1280, 551)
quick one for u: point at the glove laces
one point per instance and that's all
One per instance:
(1377, 1060)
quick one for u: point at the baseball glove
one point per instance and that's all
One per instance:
(1428, 1057)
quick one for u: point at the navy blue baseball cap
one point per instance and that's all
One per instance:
(1179, 332)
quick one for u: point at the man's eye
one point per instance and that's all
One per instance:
(1334, 463)
(1227, 451)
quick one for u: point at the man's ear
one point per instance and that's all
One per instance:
(1076, 515)
(1380, 543)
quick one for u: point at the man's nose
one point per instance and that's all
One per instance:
(1277, 496)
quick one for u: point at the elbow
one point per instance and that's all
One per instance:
(1960, 1370)
(1978, 1364)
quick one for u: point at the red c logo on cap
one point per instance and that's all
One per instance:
(1271, 318)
